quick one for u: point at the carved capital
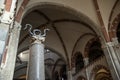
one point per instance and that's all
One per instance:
(36, 34)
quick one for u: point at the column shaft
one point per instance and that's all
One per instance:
(36, 62)
(112, 61)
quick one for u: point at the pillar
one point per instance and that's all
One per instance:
(7, 67)
(86, 62)
(36, 70)
(112, 60)
(36, 62)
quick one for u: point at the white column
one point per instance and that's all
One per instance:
(7, 69)
(112, 60)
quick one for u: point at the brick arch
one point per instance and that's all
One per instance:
(113, 27)
(89, 43)
(96, 69)
(21, 10)
(73, 58)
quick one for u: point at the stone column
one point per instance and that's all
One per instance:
(116, 47)
(112, 60)
(7, 68)
(86, 62)
(36, 70)
(69, 75)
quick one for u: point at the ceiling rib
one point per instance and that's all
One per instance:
(81, 36)
(75, 21)
(62, 42)
(42, 14)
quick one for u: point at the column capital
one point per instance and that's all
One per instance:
(36, 34)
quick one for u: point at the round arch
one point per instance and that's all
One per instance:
(100, 72)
